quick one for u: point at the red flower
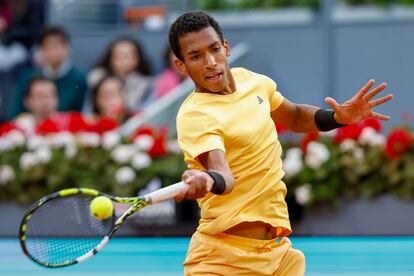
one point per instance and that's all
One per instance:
(72, 121)
(7, 127)
(398, 142)
(371, 122)
(75, 122)
(103, 125)
(159, 147)
(310, 137)
(280, 128)
(47, 126)
(347, 132)
(143, 130)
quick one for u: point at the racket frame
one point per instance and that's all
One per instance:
(138, 203)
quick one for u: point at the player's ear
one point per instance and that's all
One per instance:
(227, 49)
(180, 65)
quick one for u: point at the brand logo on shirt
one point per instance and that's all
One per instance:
(259, 99)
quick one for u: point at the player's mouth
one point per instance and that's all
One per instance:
(214, 77)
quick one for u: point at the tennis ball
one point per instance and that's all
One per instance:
(101, 207)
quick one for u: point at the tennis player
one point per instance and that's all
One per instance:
(227, 133)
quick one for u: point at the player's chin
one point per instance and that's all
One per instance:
(215, 88)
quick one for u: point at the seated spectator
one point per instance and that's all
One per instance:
(54, 63)
(170, 77)
(5, 15)
(27, 18)
(125, 59)
(13, 56)
(108, 100)
(40, 100)
(25, 21)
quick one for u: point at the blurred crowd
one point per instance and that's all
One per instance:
(49, 92)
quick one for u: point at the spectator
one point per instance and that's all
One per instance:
(11, 56)
(5, 15)
(108, 100)
(27, 18)
(170, 77)
(125, 59)
(12, 53)
(54, 63)
(40, 100)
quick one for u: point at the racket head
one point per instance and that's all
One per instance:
(59, 230)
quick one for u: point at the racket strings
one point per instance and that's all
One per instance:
(63, 229)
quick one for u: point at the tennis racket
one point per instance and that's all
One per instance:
(59, 229)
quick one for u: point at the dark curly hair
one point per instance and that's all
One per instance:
(188, 23)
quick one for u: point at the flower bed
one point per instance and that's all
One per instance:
(32, 166)
(351, 162)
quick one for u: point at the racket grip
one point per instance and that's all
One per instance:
(165, 193)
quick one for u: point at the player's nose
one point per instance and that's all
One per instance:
(210, 61)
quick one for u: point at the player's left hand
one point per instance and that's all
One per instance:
(360, 106)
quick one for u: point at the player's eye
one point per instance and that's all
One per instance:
(216, 49)
(195, 57)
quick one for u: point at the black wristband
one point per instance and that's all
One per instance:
(219, 185)
(325, 121)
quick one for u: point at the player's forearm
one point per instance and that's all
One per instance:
(229, 183)
(215, 161)
(303, 119)
(228, 180)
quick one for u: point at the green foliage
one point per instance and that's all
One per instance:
(256, 4)
(276, 4)
(405, 2)
(381, 3)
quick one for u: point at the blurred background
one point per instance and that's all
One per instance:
(88, 92)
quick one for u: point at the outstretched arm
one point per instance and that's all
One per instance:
(301, 118)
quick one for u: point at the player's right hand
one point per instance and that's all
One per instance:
(198, 182)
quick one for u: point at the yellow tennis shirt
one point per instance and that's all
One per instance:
(240, 125)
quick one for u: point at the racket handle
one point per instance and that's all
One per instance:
(165, 193)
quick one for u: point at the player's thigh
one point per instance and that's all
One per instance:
(293, 264)
(198, 252)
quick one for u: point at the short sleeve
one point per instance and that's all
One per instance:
(197, 133)
(275, 97)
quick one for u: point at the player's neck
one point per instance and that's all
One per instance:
(231, 84)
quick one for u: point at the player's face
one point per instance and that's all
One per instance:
(205, 61)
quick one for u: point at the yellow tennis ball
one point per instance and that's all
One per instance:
(101, 207)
